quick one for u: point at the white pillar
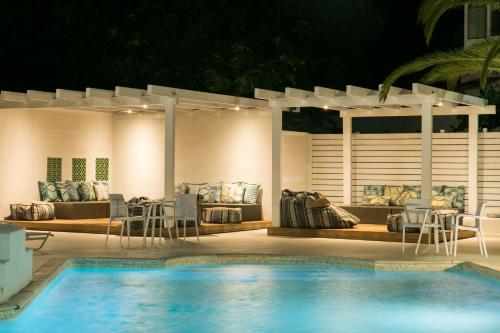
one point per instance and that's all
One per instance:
(169, 188)
(426, 177)
(473, 148)
(276, 164)
(347, 158)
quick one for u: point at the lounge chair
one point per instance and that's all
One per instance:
(38, 235)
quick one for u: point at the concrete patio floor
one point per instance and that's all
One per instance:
(78, 245)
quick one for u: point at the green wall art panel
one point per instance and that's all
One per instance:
(79, 169)
(102, 169)
(54, 169)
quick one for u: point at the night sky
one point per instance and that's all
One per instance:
(221, 46)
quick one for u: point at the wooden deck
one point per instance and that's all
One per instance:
(99, 226)
(370, 232)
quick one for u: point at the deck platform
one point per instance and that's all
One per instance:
(370, 232)
(99, 226)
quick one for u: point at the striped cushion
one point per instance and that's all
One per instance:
(294, 213)
(395, 224)
(222, 215)
(35, 211)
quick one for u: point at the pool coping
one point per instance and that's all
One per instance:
(47, 272)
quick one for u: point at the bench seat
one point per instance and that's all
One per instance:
(80, 210)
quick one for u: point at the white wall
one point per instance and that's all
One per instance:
(29, 136)
(210, 147)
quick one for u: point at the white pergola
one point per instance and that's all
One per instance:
(153, 99)
(424, 101)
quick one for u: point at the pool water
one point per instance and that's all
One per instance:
(261, 298)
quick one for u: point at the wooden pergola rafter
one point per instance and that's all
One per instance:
(422, 100)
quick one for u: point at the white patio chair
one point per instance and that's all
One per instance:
(458, 224)
(119, 211)
(433, 221)
(185, 209)
(413, 218)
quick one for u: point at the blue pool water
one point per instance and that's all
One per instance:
(261, 298)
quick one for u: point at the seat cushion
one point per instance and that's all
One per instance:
(32, 211)
(222, 215)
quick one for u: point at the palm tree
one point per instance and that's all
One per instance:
(449, 66)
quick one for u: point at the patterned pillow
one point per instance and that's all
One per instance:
(437, 190)
(195, 188)
(214, 192)
(251, 193)
(182, 188)
(458, 194)
(374, 190)
(63, 191)
(101, 190)
(393, 192)
(406, 195)
(375, 200)
(442, 201)
(87, 191)
(224, 193)
(48, 191)
(236, 193)
(73, 189)
(415, 189)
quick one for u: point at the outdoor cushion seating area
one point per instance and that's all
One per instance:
(313, 211)
(74, 200)
(381, 201)
(237, 195)
(32, 211)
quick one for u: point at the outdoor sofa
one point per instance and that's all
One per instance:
(381, 201)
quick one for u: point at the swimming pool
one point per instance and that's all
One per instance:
(261, 298)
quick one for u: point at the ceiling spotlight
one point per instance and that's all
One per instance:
(325, 107)
(440, 104)
(129, 111)
(145, 106)
(237, 108)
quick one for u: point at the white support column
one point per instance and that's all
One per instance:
(473, 148)
(277, 127)
(426, 176)
(347, 158)
(169, 189)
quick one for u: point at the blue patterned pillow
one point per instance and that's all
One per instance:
(86, 191)
(73, 189)
(458, 194)
(48, 191)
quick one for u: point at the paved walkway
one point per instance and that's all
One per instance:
(67, 245)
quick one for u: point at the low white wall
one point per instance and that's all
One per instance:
(29, 136)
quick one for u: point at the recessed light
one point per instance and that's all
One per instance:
(145, 106)
(237, 108)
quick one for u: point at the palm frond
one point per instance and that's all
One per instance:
(431, 11)
(452, 72)
(492, 56)
(476, 53)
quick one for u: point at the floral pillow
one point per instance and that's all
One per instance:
(393, 192)
(374, 190)
(48, 191)
(458, 194)
(235, 194)
(442, 201)
(210, 192)
(375, 200)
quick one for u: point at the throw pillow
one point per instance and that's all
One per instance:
(87, 191)
(251, 193)
(375, 200)
(415, 189)
(63, 191)
(214, 192)
(73, 190)
(195, 188)
(442, 201)
(224, 194)
(406, 195)
(236, 193)
(393, 192)
(458, 194)
(437, 190)
(48, 191)
(374, 190)
(101, 190)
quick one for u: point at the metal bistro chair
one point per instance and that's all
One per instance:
(413, 218)
(458, 224)
(185, 209)
(119, 211)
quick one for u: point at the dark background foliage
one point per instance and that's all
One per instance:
(221, 46)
